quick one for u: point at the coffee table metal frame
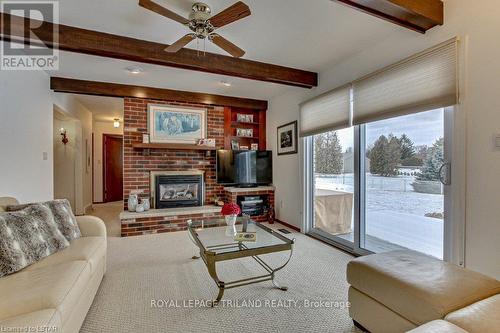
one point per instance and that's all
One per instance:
(241, 251)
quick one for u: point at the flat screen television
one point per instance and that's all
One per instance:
(244, 168)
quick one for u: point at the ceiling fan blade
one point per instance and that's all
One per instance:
(180, 43)
(234, 13)
(227, 46)
(148, 4)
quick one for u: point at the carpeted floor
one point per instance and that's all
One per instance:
(159, 267)
(109, 213)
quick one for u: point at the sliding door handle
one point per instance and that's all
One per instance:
(445, 173)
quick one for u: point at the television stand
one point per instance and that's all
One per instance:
(247, 186)
(248, 195)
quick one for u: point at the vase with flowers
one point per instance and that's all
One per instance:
(230, 211)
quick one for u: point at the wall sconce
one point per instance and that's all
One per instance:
(65, 139)
(116, 123)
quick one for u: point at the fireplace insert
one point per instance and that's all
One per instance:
(174, 191)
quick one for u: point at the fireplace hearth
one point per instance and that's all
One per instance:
(175, 190)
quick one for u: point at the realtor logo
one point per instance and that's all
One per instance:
(31, 44)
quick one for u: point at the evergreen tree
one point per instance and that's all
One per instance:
(376, 155)
(433, 161)
(319, 159)
(328, 153)
(393, 157)
(407, 147)
(385, 156)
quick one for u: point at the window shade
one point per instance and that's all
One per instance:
(426, 81)
(327, 112)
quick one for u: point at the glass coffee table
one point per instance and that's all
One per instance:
(216, 243)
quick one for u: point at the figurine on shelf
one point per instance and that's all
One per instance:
(133, 201)
(146, 204)
(206, 142)
(139, 208)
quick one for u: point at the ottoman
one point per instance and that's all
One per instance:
(438, 326)
(399, 290)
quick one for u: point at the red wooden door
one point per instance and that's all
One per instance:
(112, 167)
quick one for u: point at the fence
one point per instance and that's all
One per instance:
(397, 184)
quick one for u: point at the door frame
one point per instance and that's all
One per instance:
(455, 152)
(104, 136)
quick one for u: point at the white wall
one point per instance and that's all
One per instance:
(65, 155)
(286, 168)
(100, 128)
(68, 105)
(25, 136)
(478, 26)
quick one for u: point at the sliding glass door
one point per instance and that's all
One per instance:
(403, 194)
(333, 178)
(382, 186)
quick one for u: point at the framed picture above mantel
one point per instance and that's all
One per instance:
(287, 139)
(176, 124)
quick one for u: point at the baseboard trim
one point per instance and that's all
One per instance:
(288, 225)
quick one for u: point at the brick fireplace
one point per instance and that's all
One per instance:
(145, 166)
(139, 166)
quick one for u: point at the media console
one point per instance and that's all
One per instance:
(255, 201)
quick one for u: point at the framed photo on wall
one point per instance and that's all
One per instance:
(287, 139)
(175, 124)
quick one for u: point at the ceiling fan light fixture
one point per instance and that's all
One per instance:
(203, 24)
(200, 11)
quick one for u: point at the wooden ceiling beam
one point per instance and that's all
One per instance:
(97, 43)
(417, 15)
(73, 86)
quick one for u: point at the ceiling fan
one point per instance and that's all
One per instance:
(203, 25)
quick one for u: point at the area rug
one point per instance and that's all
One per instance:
(153, 285)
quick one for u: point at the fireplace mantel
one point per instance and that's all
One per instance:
(169, 212)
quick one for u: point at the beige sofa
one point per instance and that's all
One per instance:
(58, 290)
(403, 291)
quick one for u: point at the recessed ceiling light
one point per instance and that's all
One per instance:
(134, 70)
(225, 83)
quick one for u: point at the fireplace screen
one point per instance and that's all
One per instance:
(178, 191)
(175, 192)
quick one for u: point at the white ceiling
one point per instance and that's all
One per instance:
(104, 108)
(306, 34)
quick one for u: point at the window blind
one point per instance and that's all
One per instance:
(327, 112)
(425, 81)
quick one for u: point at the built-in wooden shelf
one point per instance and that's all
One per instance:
(246, 137)
(238, 123)
(231, 125)
(179, 146)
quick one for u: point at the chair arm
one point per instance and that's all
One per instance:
(91, 226)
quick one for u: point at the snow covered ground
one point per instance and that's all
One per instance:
(395, 213)
(423, 234)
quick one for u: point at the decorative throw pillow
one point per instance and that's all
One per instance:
(63, 215)
(26, 236)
